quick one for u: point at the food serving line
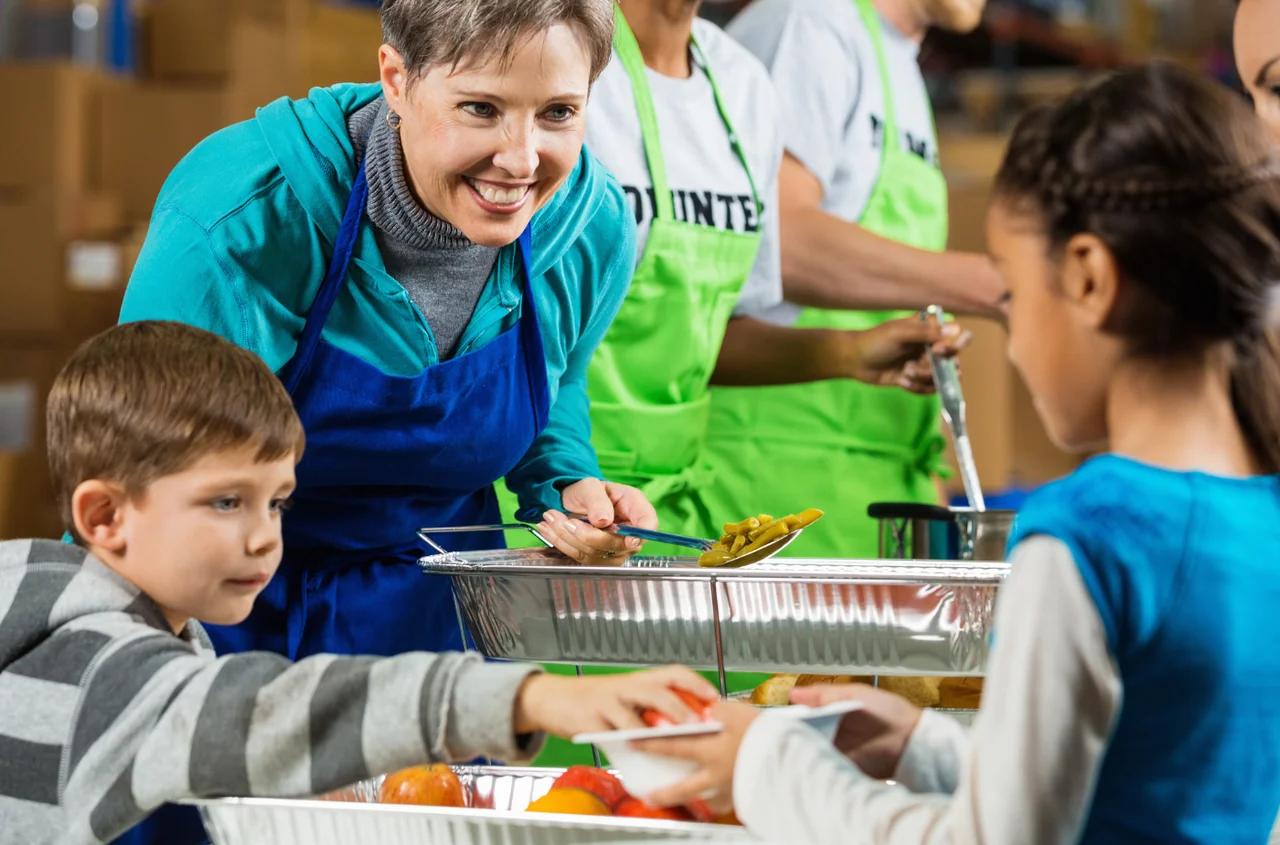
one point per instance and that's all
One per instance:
(861, 617)
(926, 608)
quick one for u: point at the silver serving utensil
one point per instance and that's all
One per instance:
(947, 381)
(765, 552)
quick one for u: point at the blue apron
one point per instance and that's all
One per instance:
(387, 455)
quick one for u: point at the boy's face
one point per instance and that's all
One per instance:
(202, 543)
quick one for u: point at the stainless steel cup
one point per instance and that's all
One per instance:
(911, 531)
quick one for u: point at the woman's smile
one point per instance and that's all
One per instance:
(498, 197)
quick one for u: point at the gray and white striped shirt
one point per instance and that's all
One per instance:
(105, 714)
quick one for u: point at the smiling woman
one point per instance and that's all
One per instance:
(490, 136)
(428, 264)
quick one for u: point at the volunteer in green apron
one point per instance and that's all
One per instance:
(648, 381)
(839, 445)
(665, 128)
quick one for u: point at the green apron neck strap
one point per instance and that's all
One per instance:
(628, 49)
(871, 19)
(624, 42)
(728, 122)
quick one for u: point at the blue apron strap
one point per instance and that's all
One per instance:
(530, 334)
(334, 277)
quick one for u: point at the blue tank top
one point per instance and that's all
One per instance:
(1184, 569)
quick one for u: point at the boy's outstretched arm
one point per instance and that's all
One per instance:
(160, 721)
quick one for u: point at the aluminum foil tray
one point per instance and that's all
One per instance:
(816, 616)
(496, 797)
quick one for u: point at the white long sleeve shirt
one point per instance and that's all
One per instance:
(1025, 774)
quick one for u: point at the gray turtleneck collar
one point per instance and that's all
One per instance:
(442, 270)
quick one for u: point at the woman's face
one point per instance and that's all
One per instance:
(486, 145)
(1257, 47)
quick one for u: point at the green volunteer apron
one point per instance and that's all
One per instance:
(648, 380)
(839, 445)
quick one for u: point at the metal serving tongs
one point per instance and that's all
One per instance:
(765, 552)
(947, 381)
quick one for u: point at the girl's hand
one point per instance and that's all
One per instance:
(566, 707)
(605, 504)
(873, 737)
(717, 753)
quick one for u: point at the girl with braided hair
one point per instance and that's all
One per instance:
(1133, 689)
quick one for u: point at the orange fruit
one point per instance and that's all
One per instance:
(425, 786)
(575, 802)
(598, 782)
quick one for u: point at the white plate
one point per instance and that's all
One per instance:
(825, 720)
(645, 773)
(687, 729)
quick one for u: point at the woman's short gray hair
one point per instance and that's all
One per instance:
(433, 32)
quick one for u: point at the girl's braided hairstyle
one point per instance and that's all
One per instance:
(1180, 180)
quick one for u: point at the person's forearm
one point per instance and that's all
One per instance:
(757, 353)
(561, 455)
(935, 756)
(831, 263)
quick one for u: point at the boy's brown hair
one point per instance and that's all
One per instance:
(148, 399)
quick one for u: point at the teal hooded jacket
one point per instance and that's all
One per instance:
(242, 233)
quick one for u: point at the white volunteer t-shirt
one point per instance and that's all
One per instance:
(830, 94)
(709, 185)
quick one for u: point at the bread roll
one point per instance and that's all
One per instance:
(922, 692)
(815, 680)
(775, 692)
(960, 693)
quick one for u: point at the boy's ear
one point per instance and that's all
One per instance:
(1090, 278)
(97, 510)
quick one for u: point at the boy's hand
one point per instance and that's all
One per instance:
(718, 753)
(893, 353)
(873, 737)
(567, 707)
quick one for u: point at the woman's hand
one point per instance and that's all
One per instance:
(873, 737)
(605, 504)
(893, 353)
(716, 754)
(569, 706)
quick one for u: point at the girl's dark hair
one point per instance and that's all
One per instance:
(1181, 181)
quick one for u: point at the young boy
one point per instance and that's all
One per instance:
(172, 452)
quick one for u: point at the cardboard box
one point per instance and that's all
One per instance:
(265, 70)
(195, 40)
(144, 130)
(27, 504)
(50, 103)
(64, 268)
(341, 45)
(27, 509)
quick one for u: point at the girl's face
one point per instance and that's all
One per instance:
(1257, 47)
(489, 143)
(1055, 338)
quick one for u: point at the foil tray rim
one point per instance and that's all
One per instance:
(813, 570)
